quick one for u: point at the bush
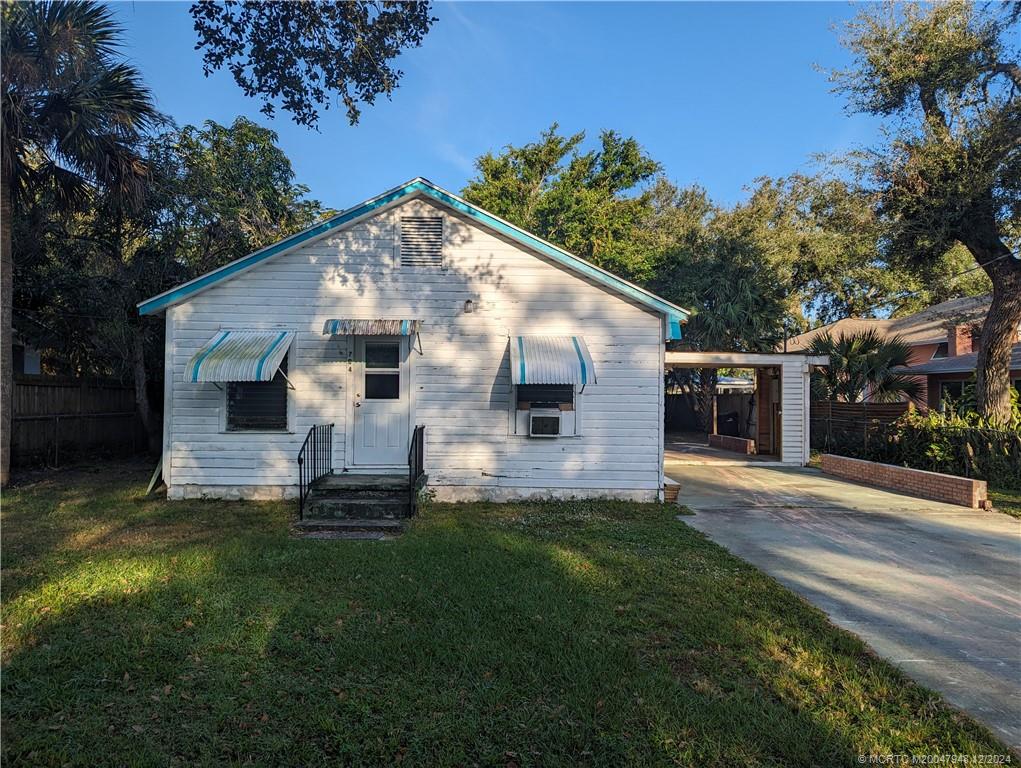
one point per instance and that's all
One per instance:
(949, 443)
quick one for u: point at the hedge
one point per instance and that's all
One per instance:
(938, 444)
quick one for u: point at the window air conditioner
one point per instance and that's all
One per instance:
(544, 422)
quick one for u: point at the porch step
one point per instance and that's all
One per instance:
(347, 496)
(346, 481)
(389, 507)
(349, 529)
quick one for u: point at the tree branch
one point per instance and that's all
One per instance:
(934, 115)
(1009, 68)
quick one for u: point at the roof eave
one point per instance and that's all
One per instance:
(673, 314)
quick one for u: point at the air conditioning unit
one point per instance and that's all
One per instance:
(544, 422)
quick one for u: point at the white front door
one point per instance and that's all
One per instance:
(381, 401)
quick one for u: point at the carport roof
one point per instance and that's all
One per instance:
(740, 359)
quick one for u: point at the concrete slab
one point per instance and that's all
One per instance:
(689, 448)
(934, 588)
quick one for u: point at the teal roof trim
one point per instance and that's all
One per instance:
(608, 279)
(674, 314)
(183, 291)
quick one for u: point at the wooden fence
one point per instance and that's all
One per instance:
(840, 424)
(54, 419)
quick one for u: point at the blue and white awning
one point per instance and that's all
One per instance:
(371, 327)
(551, 360)
(240, 356)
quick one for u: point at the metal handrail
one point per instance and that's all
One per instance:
(416, 466)
(318, 451)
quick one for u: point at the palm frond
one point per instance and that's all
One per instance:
(864, 365)
(70, 106)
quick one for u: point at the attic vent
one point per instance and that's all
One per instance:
(421, 241)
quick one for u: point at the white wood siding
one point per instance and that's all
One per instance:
(461, 388)
(794, 402)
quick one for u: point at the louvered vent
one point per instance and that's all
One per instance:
(422, 241)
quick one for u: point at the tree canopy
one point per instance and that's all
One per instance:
(233, 191)
(947, 75)
(591, 203)
(72, 111)
(213, 194)
(299, 55)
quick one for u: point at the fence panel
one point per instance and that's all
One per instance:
(54, 419)
(867, 431)
(849, 428)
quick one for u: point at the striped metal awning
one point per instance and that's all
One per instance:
(371, 327)
(240, 356)
(551, 360)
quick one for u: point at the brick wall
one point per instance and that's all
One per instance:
(736, 444)
(914, 482)
(961, 339)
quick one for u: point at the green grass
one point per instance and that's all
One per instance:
(146, 633)
(1006, 501)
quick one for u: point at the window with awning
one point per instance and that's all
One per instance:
(380, 327)
(258, 405)
(240, 356)
(551, 360)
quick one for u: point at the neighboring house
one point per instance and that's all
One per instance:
(533, 372)
(949, 329)
(946, 377)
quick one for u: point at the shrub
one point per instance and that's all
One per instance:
(949, 442)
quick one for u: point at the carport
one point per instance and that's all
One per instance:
(782, 399)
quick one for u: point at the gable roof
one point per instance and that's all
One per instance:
(421, 187)
(929, 326)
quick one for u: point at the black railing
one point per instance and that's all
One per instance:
(416, 466)
(315, 460)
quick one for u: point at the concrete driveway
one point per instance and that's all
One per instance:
(934, 588)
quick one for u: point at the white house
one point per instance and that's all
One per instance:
(534, 373)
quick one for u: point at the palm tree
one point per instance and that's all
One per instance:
(72, 112)
(863, 365)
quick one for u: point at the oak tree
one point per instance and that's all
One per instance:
(301, 54)
(947, 75)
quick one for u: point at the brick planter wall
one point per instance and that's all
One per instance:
(736, 444)
(914, 482)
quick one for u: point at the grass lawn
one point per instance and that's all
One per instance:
(1006, 501)
(140, 632)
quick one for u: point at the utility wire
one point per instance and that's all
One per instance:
(952, 277)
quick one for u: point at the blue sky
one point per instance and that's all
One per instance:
(719, 93)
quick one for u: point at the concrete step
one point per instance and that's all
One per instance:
(358, 508)
(347, 481)
(349, 529)
(380, 494)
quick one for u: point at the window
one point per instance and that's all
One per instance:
(545, 410)
(950, 391)
(258, 405)
(941, 351)
(545, 396)
(382, 370)
(421, 241)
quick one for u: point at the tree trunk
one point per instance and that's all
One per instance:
(707, 378)
(1000, 330)
(6, 331)
(149, 420)
(999, 334)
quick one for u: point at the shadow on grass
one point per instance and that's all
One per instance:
(558, 634)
